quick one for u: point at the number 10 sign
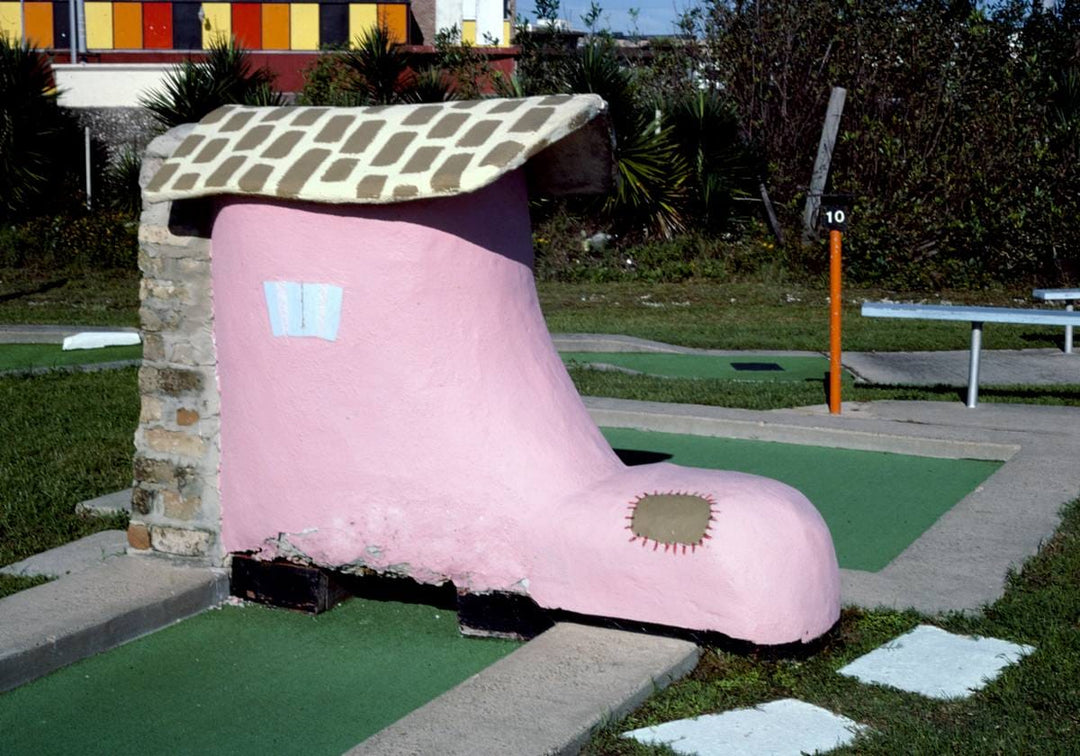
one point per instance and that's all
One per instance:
(835, 213)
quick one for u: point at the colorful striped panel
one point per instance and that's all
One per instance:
(247, 25)
(394, 18)
(39, 24)
(186, 26)
(127, 26)
(216, 24)
(11, 21)
(61, 25)
(362, 18)
(157, 26)
(333, 24)
(275, 26)
(304, 26)
(99, 26)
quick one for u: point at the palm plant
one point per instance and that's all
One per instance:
(381, 66)
(652, 173)
(37, 140)
(193, 89)
(706, 130)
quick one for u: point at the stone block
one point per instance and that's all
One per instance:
(180, 541)
(186, 416)
(153, 346)
(175, 442)
(169, 381)
(157, 471)
(138, 536)
(177, 507)
(141, 500)
(152, 407)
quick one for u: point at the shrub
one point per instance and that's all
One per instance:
(38, 141)
(194, 89)
(103, 239)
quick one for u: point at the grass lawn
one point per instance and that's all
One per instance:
(28, 356)
(1034, 707)
(68, 437)
(772, 316)
(102, 298)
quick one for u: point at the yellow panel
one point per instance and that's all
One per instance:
(99, 26)
(304, 26)
(11, 21)
(361, 18)
(216, 24)
(468, 32)
(506, 35)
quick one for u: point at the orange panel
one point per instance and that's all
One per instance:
(127, 26)
(247, 25)
(275, 26)
(392, 18)
(39, 24)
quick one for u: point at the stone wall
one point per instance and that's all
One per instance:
(175, 504)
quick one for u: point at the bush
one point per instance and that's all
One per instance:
(104, 239)
(194, 89)
(39, 143)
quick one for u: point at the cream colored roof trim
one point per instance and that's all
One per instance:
(390, 153)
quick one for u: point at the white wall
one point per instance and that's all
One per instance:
(107, 85)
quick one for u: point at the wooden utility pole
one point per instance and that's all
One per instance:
(821, 164)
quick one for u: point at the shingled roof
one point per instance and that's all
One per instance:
(391, 153)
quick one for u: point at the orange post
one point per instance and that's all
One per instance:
(834, 322)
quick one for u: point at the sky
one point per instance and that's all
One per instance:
(655, 17)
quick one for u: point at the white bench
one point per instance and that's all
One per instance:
(1068, 296)
(976, 316)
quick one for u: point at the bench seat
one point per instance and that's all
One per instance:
(1060, 295)
(977, 316)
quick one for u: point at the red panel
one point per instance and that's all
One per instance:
(157, 26)
(247, 25)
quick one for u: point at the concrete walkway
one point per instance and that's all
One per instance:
(51, 334)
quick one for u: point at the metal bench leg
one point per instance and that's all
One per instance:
(1068, 332)
(973, 366)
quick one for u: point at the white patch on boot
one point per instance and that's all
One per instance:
(935, 663)
(303, 309)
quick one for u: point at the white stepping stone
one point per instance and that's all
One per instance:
(99, 339)
(935, 663)
(787, 727)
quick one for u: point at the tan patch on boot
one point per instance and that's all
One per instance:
(674, 520)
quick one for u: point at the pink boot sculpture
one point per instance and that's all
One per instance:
(390, 398)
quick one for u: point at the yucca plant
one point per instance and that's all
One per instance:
(37, 140)
(706, 130)
(381, 66)
(195, 88)
(652, 174)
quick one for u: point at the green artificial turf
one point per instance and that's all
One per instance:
(249, 680)
(708, 366)
(876, 504)
(29, 356)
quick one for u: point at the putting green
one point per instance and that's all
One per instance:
(733, 368)
(27, 356)
(249, 680)
(876, 504)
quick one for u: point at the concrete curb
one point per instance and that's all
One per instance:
(545, 698)
(53, 625)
